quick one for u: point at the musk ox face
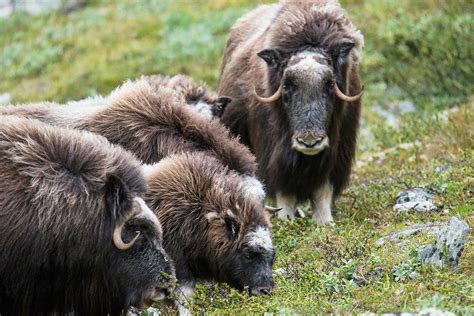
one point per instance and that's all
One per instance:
(250, 265)
(308, 100)
(144, 271)
(308, 89)
(140, 268)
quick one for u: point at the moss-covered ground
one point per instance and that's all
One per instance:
(417, 52)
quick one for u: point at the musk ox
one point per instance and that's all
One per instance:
(197, 97)
(305, 54)
(76, 237)
(153, 123)
(211, 229)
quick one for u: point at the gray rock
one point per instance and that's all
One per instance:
(414, 195)
(443, 168)
(399, 236)
(414, 199)
(448, 247)
(279, 271)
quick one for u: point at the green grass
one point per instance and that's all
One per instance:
(420, 51)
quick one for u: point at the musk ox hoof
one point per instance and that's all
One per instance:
(286, 215)
(323, 221)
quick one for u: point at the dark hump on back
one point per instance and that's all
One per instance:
(310, 24)
(67, 170)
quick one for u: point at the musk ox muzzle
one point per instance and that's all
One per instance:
(310, 143)
(263, 289)
(157, 293)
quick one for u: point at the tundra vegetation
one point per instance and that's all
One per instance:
(418, 70)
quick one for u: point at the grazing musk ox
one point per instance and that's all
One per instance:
(198, 97)
(152, 122)
(305, 54)
(70, 209)
(212, 230)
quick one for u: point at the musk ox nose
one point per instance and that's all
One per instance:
(311, 141)
(261, 290)
(310, 144)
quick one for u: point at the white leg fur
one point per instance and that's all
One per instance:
(288, 205)
(321, 204)
(185, 294)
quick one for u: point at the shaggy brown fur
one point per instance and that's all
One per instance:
(208, 222)
(291, 27)
(152, 122)
(199, 97)
(61, 194)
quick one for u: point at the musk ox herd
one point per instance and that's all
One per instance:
(129, 199)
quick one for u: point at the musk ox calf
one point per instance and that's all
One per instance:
(305, 54)
(153, 123)
(211, 229)
(75, 234)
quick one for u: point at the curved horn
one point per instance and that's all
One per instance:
(347, 98)
(117, 237)
(272, 209)
(270, 99)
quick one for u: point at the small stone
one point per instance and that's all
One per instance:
(442, 168)
(414, 275)
(415, 199)
(448, 247)
(279, 271)
(415, 206)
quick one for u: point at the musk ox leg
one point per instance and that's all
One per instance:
(184, 294)
(287, 204)
(321, 204)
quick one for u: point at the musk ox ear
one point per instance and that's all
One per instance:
(339, 55)
(273, 57)
(116, 196)
(222, 101)
(233, 226)
(342, 50)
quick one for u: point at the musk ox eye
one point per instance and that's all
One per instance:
(250, 255)
(330, 83)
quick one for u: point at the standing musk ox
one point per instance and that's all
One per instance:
(152, 122)
(305, 54)
(70, 210)
(211, 230)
